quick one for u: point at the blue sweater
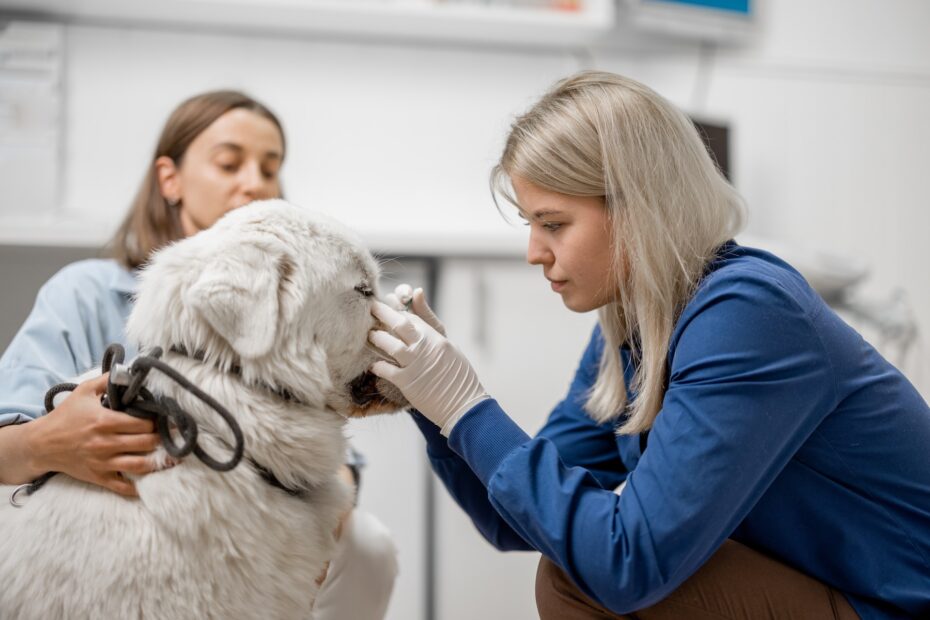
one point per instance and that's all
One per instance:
(781, 428)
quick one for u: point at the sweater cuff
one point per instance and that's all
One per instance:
(484, 437)
(7, 419)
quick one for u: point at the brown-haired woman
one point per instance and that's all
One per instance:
(218, 151)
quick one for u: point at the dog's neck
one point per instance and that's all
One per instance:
(294, 444)
(236, 369)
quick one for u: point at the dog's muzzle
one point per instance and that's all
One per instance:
(364, 389)
(372, 395)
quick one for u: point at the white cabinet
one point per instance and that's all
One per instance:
(394, 482)
(525, 346)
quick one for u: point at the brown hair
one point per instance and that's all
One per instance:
(151, 222)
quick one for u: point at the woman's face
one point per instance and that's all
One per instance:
(570, 237)
(231, 163)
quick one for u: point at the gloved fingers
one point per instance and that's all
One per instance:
(404, 293)
(385, 370)
(391, 300)
(400, 298)
(390, 345)
(396, 322)
(422, 310)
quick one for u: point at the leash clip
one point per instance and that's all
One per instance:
(120, 374)
(15, 502)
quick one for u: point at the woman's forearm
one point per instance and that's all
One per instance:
(17, 462)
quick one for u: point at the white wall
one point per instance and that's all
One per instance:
(373, 131)
(829, 108)
(827, 105)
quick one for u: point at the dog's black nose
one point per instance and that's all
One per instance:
(364, 389)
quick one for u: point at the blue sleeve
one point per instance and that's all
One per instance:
(467, 489)
(749, 381)
(580, 441)
(583, 442)
(60, 339)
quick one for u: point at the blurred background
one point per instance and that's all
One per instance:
(395, 112)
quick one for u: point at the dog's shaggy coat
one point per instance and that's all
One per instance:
(284, 294)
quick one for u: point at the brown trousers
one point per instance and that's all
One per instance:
(735, 583)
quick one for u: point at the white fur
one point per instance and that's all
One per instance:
(271, 288)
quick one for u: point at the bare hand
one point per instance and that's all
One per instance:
(87, 441)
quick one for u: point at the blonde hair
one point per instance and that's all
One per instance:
(669, 208)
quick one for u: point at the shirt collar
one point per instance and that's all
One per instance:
(124, 281)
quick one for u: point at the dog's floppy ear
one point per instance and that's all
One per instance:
(238, 294)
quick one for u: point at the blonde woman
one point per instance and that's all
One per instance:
(728, 448)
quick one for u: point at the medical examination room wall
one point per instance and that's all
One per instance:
(827, 103)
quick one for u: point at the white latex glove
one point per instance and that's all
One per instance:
(431, 372)
(405, 297)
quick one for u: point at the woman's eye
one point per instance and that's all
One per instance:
(228, 167)
(550, 226)
(365, 290)
(270, 168)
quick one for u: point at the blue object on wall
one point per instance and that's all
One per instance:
(732, 6)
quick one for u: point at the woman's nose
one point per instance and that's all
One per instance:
(537, 252)
(253, 182)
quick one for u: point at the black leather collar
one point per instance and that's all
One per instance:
(281, 392)
(271, 479)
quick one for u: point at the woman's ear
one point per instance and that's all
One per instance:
(169, 181)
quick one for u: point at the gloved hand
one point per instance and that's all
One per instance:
(431, 372)
(405, 297)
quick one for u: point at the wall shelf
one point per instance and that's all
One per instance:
(411, 20)
(730, 22)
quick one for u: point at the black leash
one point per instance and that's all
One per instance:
(125, 392)
(281, 392)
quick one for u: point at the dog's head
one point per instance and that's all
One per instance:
(280, 292)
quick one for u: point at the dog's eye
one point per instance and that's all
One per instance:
(365, 290)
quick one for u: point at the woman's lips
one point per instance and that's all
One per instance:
(558, 285)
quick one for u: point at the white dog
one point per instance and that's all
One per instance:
(268, 312)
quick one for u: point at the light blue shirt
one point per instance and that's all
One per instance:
(79, 312)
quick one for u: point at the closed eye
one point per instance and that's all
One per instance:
(365, 290)
(550, 226)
